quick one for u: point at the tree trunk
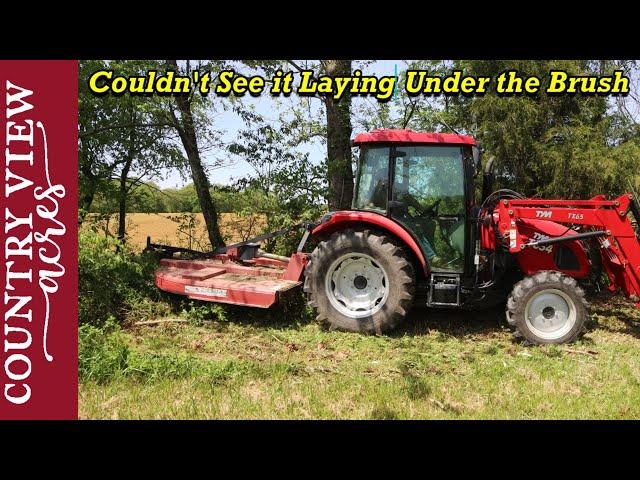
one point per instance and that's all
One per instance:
(88, 193)
(339, 169)
(201, 183)
(122, 199)
(124, 174)
(86, 200)
(186, 129)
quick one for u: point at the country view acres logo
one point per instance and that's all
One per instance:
(32, 234)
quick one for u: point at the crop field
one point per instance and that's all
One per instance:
(439, 365)
(178, 229)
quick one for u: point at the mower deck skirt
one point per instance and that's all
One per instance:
(257, 283)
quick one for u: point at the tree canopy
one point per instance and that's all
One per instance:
(571, 146)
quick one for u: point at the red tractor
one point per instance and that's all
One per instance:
(417, 233)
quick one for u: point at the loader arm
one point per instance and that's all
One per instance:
(607, 221)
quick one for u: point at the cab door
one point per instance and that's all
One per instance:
(428, 198)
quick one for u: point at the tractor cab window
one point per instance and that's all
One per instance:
(428, 190)
(373, 179)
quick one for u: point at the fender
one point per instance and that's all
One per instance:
(335, 221)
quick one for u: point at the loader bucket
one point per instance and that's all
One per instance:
(258, 282)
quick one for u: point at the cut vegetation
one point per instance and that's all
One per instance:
(463, 365)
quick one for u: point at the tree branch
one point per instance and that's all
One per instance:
(313, 77)
(123, 126)
(408, 117)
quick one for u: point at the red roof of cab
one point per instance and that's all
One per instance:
(409, 136)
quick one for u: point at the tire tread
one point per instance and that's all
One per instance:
(396, 254)
(544, 277)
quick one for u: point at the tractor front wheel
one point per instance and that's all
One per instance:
(548, 307)
(360, 281)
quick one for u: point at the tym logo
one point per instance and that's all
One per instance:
(543, 213)
(538, 237)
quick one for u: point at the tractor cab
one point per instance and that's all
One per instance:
(423, 181)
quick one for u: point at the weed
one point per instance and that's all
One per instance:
(416, 387)
(199, 312)
(150, 367)
(102, 353)
(383, 412)
(552, 351)
(491, 349)
(114, 283)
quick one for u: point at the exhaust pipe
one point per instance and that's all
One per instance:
(487, 179)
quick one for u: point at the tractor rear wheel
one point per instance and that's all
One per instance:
(548, 307)
(360, 281)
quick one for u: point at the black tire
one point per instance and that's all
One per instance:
(559, 286)
(389, 256)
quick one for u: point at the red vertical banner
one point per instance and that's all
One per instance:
(39, 334)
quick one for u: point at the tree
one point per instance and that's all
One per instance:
(284, 187)
(337, 131)
(134, 135)
(279, 170)
(183, 119)
(96, 116)
(145, 151)
(549, 146)
(339, 169)
(125, 139)
(426, 113)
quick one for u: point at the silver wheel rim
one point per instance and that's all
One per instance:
(550, 314)
(356, 285)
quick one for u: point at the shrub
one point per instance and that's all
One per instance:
(112, 282)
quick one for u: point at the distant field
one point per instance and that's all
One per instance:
(177, 229)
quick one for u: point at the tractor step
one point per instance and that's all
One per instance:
(444, 290)
(258, 282)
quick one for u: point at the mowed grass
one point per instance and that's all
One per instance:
(440, 365)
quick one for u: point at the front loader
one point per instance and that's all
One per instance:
(417, 235)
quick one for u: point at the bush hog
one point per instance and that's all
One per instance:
(417, 235)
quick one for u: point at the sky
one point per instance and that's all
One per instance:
(268, 107)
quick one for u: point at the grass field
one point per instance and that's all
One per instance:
(450, 365)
